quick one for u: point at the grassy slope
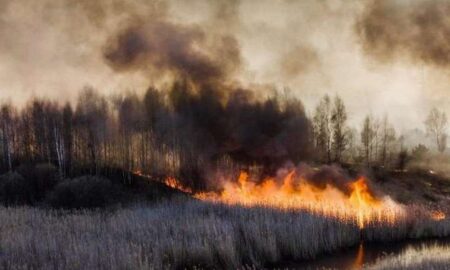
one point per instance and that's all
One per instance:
(416, 187)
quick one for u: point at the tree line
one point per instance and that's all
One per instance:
(184, 133)
(377, 144)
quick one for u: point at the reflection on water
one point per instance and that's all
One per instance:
(363, 254)
(359, 260)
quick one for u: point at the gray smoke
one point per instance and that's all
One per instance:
(183, 51)
(417, 30)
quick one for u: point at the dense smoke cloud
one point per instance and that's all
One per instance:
(55, 48)
(299, 60)
(161, 47)
(418, 30)
(249, 131)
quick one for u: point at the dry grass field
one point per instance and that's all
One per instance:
(423, 258)
(182, 233)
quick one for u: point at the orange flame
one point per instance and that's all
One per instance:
(359, 260)
(174, 183)
(297, 193)
(437, 215)
(362, 200)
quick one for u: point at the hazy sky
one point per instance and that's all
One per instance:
(381, 57)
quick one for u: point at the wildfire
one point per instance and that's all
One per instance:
(357, 204)
(362, 200)
(437, 215)
(297, 193)
(174, 183)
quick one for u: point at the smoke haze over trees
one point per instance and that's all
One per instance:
(436, 124)
(191, 132)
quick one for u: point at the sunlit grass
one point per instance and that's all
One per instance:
(425, 257)
(181, 233)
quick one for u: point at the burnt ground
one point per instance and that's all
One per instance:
(415, 187)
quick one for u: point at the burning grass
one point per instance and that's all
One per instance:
(182, 233)
(354, 201)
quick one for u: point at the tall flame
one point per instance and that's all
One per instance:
(362, 200)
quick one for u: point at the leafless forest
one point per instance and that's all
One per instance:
(189, 134)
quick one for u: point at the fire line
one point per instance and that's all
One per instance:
(294, 192)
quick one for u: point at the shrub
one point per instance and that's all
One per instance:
(84, 192)
(14, 190)
(41, 178)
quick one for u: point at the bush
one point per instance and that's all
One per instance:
(41, 178)
(84, 192)
(14, 190)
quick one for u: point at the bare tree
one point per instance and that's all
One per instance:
(387, 139)
(338, 119)
(60, 150)
(92, 116)
(376, 139)
(322, 128)
(436, 125)
(351, 150)
(367, 135)
(131, 123)
(67, 133)
(7, 133)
